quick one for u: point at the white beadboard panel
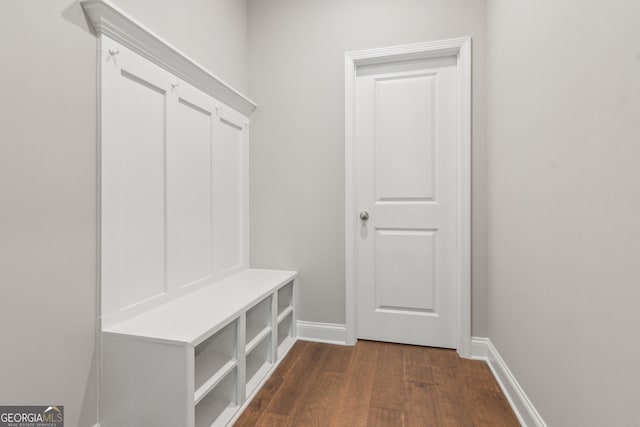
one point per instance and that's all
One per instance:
(189, 198)
(134, 99)
(228, 193)
(174, 184)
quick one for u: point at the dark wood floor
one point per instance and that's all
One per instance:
(378, 384)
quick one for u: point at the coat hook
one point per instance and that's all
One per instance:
(174, 85)
(114, 51)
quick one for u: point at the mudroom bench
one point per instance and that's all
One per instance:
(198, 360)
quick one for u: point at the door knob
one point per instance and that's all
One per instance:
(364, 215)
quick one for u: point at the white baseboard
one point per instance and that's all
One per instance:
(479, 348)
(330, 333)
(483, 349)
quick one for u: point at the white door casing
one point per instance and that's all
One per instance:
(408, 165)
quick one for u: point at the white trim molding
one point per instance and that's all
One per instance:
(109, 20)
(329, 333)
(527, 414)
(461, 49)
(479, 348)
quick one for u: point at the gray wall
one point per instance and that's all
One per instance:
(47, 208)
(296, 58)
(47, 184)
(564, 204)
(211, 32)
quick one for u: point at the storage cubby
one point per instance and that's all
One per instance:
(259, 361)
(285, 298)
(258, 323)
(192, 354)
(215, 356)
(285, 333)
(220, 404)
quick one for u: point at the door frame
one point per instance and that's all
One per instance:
(461, 49)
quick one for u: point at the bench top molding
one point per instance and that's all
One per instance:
(192, 318)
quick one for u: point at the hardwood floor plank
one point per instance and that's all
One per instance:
(443, 356)
(273, 420)
(316, 406)
(478, 375)
(381, 417)
(378, 384)
(338, 357)
(258, 405)
(352, 404)
(491, 409)
(292, 357)
(417, 366)
(389, 387)
(421, 407)
(296, 382)
(450, 395)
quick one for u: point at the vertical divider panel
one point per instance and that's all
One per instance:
(190, 379)
(188, 185)
(230, 190)
(294, 306)
(242, 358)
(274, 323)
(245, 196)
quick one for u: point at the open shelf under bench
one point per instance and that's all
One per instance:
(199, 359)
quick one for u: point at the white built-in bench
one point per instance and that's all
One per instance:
(189, 332)
(199, 359)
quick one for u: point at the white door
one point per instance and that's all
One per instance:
(406, 162)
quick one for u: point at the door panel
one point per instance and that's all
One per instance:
(404, 165)
(405, 284)
(406, 181)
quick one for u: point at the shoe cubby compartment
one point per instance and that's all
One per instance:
(285, 333)
(202, 356)
(214, 358)
(285, 299)
(258, 323)
(219, 405)
(259, 362)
